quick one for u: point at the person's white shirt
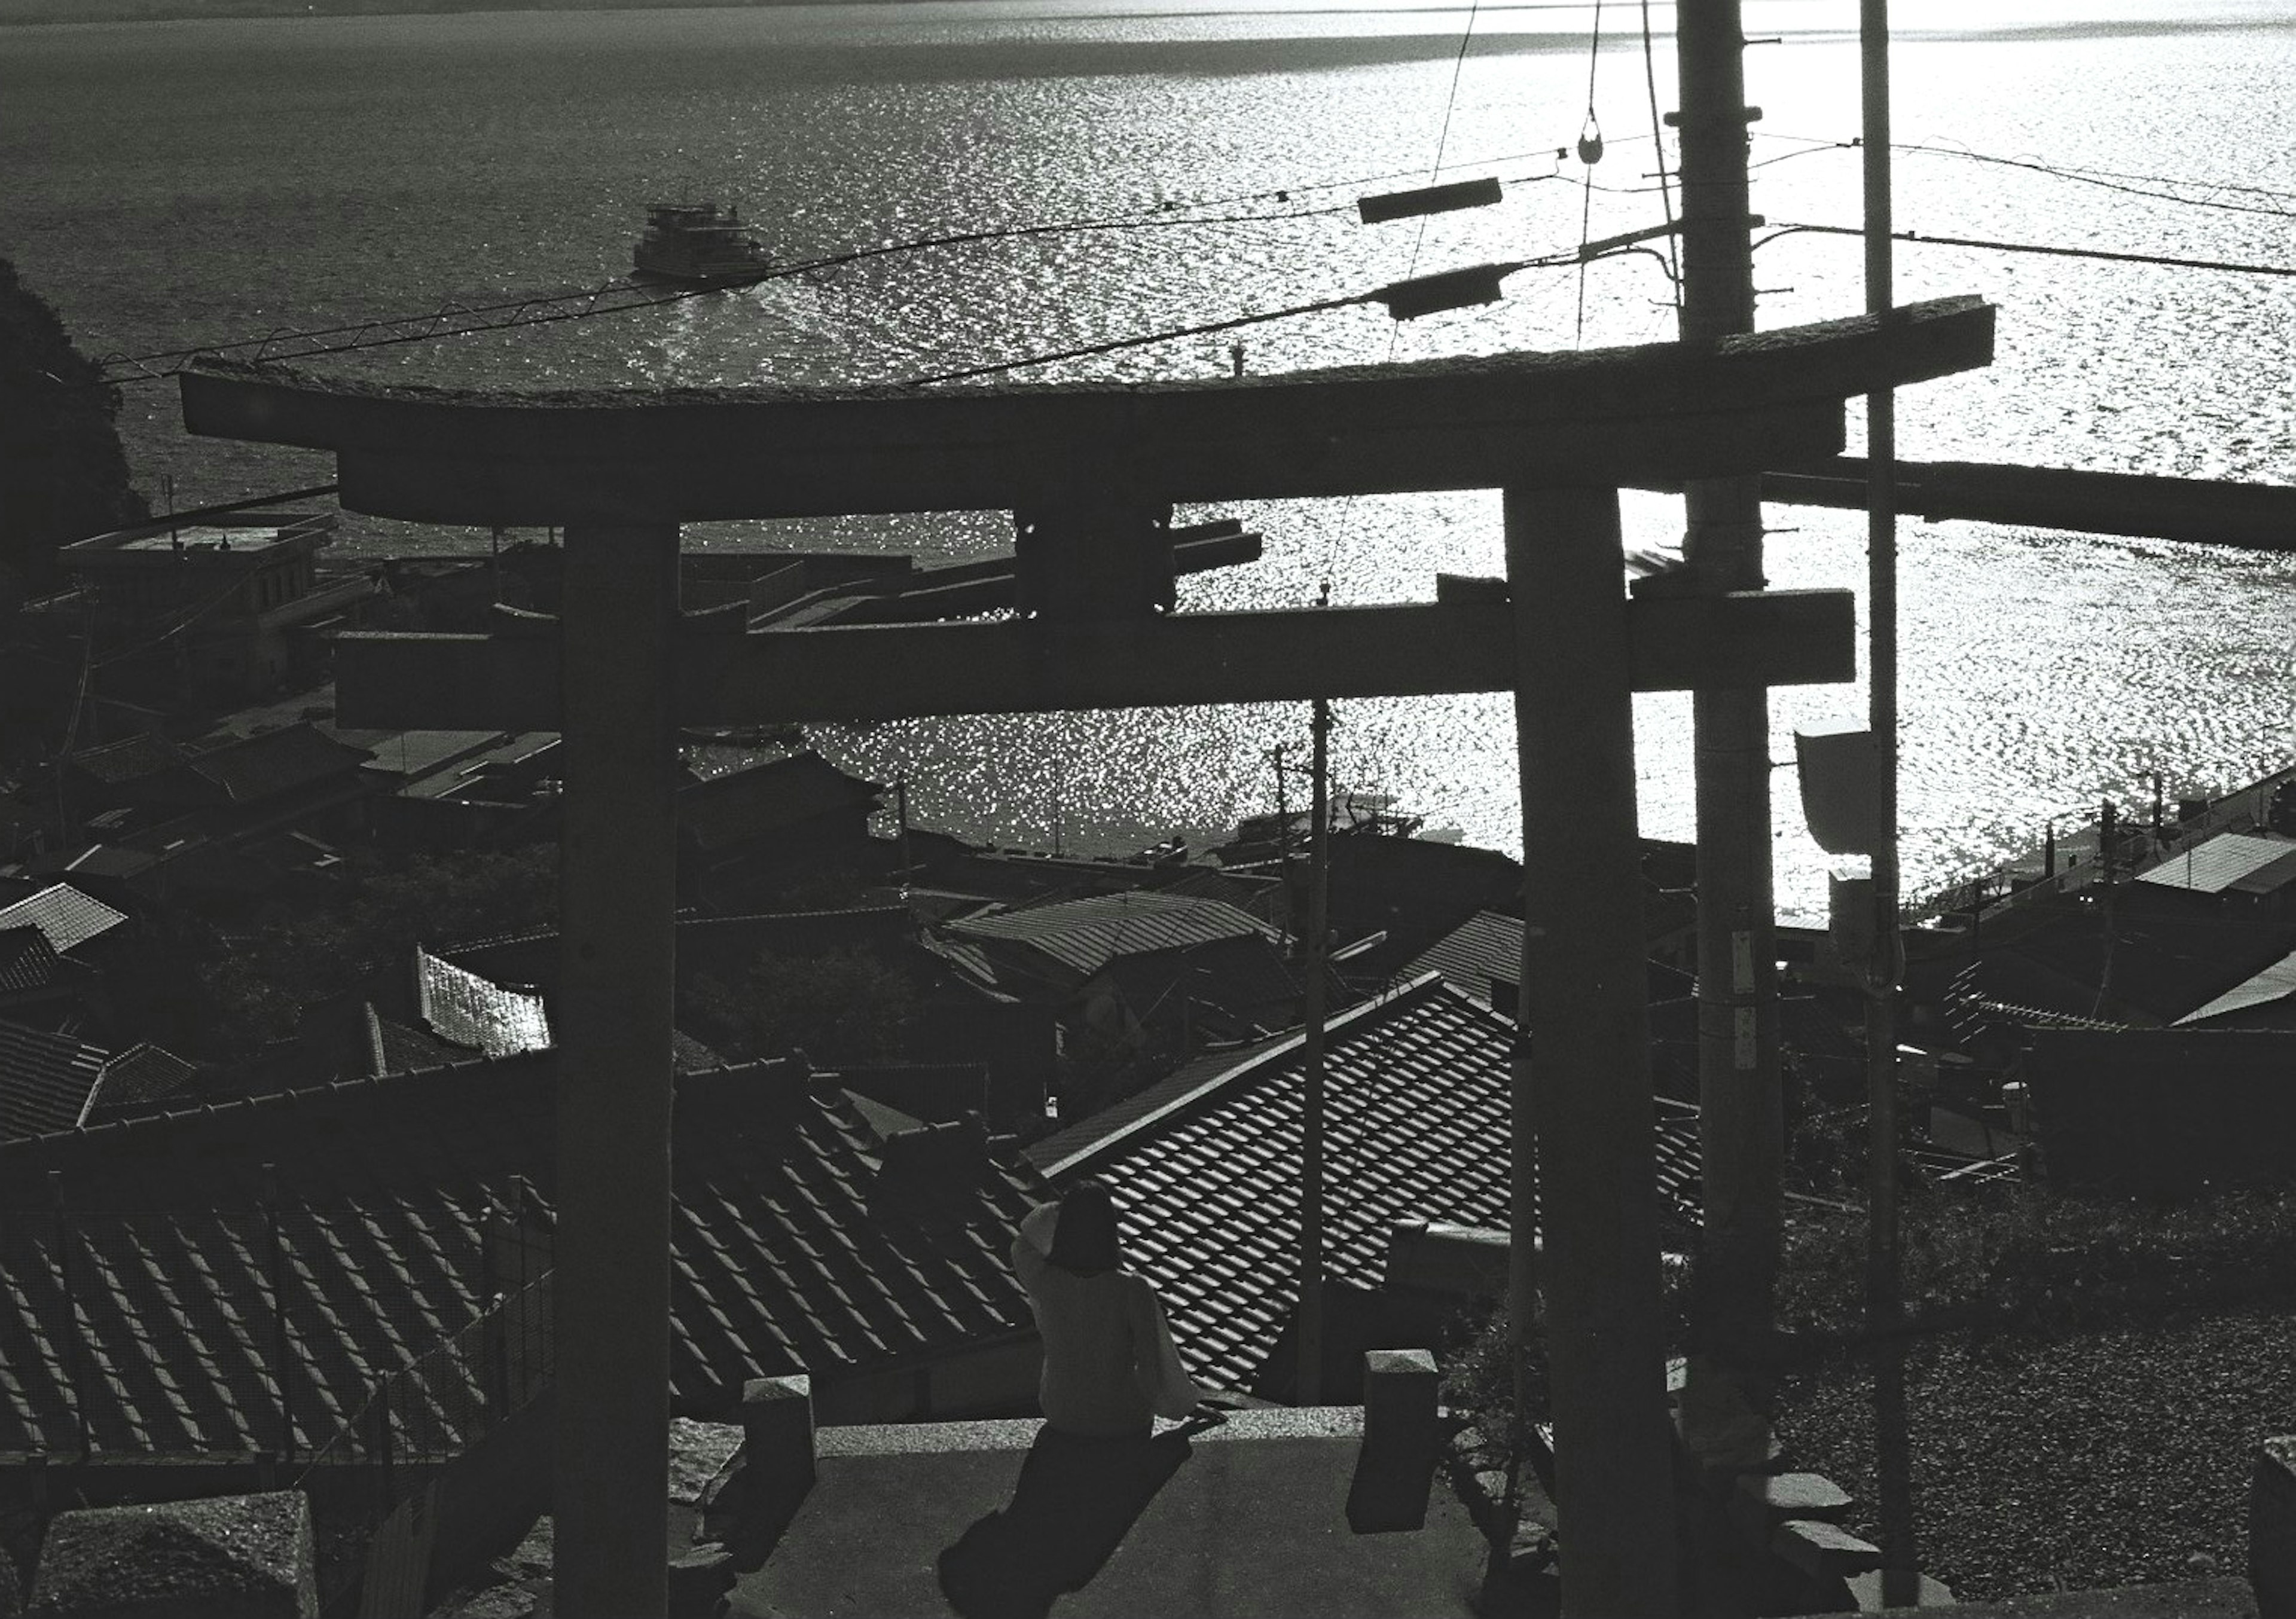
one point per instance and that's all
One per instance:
(1110, 1366)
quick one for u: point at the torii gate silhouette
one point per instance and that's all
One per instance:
(1090, 472)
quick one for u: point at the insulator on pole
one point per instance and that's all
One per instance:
(1428, 199)
(1452, 290)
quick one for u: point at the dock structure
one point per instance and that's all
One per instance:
(1090, 472)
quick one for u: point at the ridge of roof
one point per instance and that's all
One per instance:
(1057, 1158)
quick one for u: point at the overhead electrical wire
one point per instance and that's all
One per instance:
(1658, 143)
(1590, 152)
(1171, 334)
(1924, 238)
(535, 309)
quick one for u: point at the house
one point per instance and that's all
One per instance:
(69, 919)
(51, 1082)
(1052, 950)
(1182, 996)
(464, 789)
(225, 608)
(950, 1018)
(2267, 1000)
(35, 978)
(2235, 873)
(1205, 1166)
(742, 833)
(140, 1317)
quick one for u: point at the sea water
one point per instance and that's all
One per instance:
(177, 183)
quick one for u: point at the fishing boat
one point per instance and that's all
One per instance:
(698, 243)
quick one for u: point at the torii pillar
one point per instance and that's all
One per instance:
(1096, 469)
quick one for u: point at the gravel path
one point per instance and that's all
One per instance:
(2070, 1461)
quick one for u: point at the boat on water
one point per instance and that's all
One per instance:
(698, 243)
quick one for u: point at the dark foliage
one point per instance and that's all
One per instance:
(840, 1006)
(62, 473)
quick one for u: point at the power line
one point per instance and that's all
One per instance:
(2112, 180)
(1137, 342)
(2168, 260)
(2109, 179)
(1658, 144)
(609, 298)
(1387, 293)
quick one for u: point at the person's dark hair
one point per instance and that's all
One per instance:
(1084, 1238)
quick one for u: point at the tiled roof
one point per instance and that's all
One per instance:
(1082, 934)
(2275, 982)
(1262, 896)
(139, 1075)
(764, 799)
(28, 961)
(1243, 976)
(45, 1081)
(131, 760)
(791, 1250)
(2227, 860)
(475, 1013)
(69, 916)
(1205, 1166)
(277, 762)
(721, 944)
(1487, 946)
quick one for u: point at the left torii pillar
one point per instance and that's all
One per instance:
(617, 885)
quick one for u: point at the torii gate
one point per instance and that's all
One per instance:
(1090, 472)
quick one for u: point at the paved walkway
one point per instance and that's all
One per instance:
(983, 1520)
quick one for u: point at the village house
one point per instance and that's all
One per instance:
(209, 1283)
(1205, 1168)
(222, 608)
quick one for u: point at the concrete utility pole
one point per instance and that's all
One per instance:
(1311, 1155)
(1742, 1116)
(1900, 1578)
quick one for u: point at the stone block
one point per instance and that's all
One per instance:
(2272, 1526)
(1399, 1389)
(1760, 1501)
(231, 1556)
(699, 1581)
(777, 1432)
(1866, 1591)
(1824, 1550)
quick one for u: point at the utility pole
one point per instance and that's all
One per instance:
(1885, 1304)
(1741, 1114)
(1311, 1156)
(901, 803)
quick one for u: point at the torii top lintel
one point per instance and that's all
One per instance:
(1642, 417)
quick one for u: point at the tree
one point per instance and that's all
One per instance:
(844, 1005)
(62, 473)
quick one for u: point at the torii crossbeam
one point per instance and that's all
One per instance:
(1090, 472)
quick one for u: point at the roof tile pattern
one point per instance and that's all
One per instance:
(139, 1075)
(69, 916)
(45, 1081)
(1084, 935)
(255, 768)
(1416, 1120)
(1487, 946)
(28, 961)
(149, 1306)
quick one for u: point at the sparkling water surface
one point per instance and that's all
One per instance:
(188, 183)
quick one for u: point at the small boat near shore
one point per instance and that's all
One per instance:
(699, 245)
